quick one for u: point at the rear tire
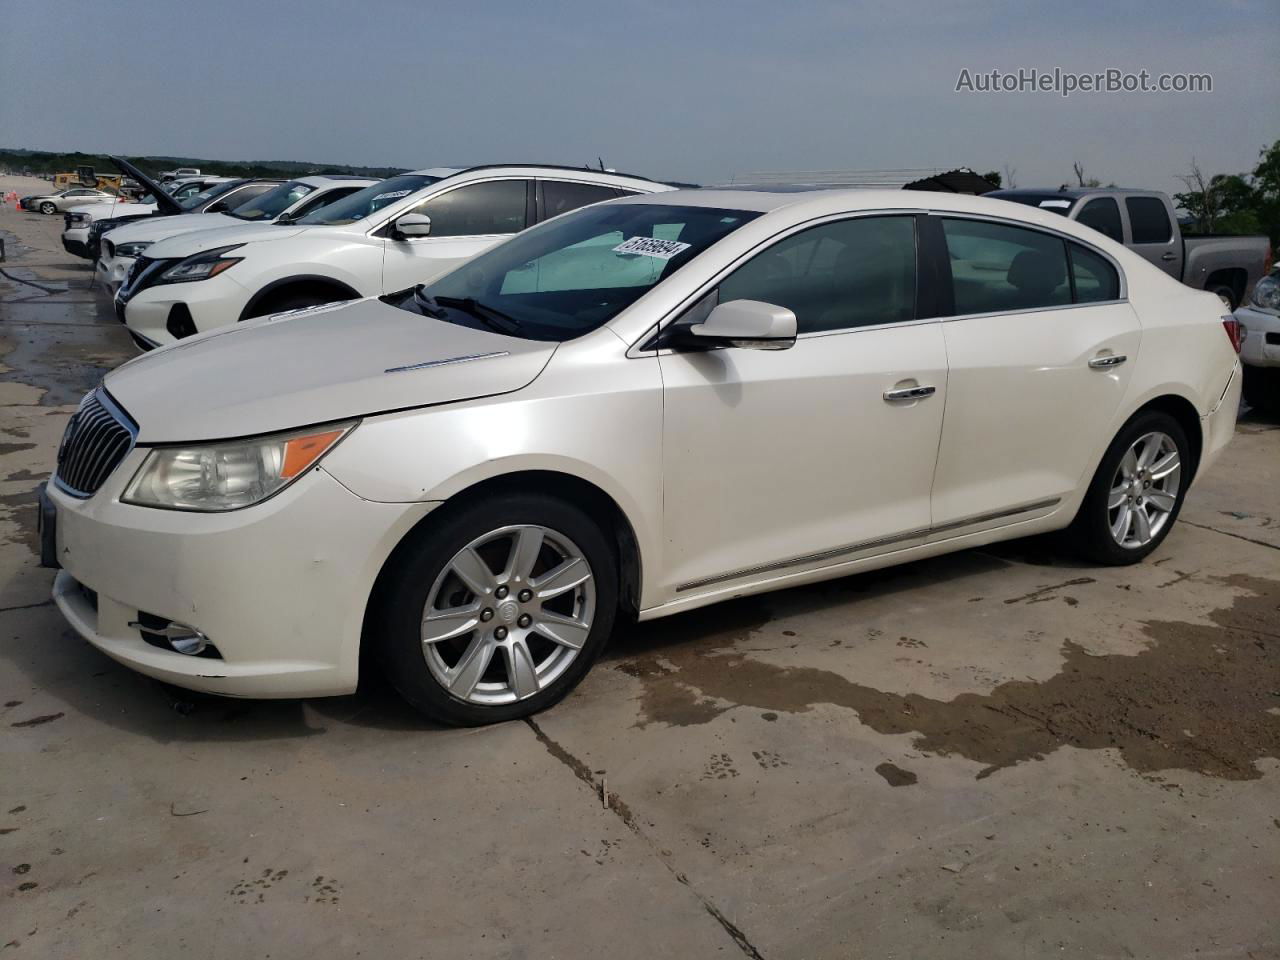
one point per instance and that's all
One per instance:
(1225, 293)
(465, 626)
(1136, 493)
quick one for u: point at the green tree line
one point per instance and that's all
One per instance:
(1236, 202)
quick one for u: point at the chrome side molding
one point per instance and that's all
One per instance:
(837, 552)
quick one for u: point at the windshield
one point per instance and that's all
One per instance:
(271, 204)
(364, 202)
(1052, 202)
(568, 276)
(194, 201)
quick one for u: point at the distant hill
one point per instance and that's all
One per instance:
(40, 162)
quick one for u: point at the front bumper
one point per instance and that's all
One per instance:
(76, 247)
(1261, 344)
(279, 588)
(211, 303)
(111, 271)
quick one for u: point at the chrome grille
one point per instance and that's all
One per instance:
(97, 438)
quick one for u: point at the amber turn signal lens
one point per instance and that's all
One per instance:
(301, 452)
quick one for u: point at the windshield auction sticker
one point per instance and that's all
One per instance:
(651, 247)
(393, 195)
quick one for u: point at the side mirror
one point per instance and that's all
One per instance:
(748, 324)
(412, 225)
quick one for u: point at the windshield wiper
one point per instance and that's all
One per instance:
(494, 319)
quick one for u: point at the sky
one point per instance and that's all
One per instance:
(700, 91)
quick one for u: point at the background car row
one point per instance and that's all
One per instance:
(242, 201)
(384, 238)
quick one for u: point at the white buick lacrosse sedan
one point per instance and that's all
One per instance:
(632, 410)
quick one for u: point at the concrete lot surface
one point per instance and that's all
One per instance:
(997, 754)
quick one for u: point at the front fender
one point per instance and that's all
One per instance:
(591, 414)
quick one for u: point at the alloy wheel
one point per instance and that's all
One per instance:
(1144, 491)
(508, 614)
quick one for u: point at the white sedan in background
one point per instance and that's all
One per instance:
(64, 200)
(638, 408)
(282, 204)
(392, 235)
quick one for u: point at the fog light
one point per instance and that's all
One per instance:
(177, 636)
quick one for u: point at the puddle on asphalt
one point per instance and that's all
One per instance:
(1201, 697)
(64, 360)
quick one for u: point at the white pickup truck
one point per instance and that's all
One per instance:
(1145, 222)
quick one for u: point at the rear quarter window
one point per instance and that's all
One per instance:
(1094, 279)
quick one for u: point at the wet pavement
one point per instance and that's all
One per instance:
(996, 754)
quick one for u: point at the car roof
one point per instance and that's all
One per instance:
(433, 172)
(536, 169)
(818, 203)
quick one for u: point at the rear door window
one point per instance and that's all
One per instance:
(560, 197)
(1103, 214)
(1148, 220)
(998, 268)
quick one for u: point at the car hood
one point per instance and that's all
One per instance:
(316, 365)
(162, 228)
(198, 242)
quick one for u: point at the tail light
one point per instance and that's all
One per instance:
(1235, 333)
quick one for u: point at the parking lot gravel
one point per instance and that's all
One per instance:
(1001, 753)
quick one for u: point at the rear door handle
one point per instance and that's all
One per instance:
(910, 393)
(1111, 360)
(1169, 256)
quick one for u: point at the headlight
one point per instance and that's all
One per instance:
(228, 475)
(132, 249)
(201, 266)
(1266, 293)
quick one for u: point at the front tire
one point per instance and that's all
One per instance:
(48, 208)
(1137, 492)
(498, 611)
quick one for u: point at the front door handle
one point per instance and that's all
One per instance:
(910, 393)
(1110, 360)
(1169, 256)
